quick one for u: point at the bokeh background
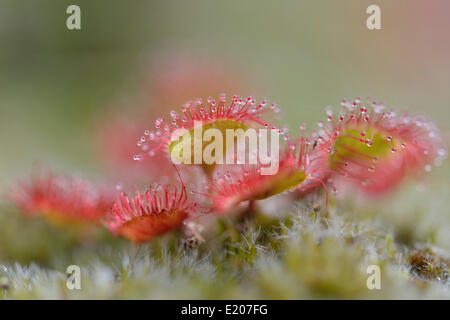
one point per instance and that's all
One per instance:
(56, 85)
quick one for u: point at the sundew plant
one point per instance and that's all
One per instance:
(229, 231)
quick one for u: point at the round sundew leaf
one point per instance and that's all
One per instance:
(258, 187)
(189, 138)
(349, 147)
(174, 136)
(142, 228)
(283, 181)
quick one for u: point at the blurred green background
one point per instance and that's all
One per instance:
(55, 84)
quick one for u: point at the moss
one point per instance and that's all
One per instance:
(299, 255)
(428, 265)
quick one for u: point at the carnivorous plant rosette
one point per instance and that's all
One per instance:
(238, 114)
(375, 147)
(146, 215)
(298, 169)
(62, 200)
